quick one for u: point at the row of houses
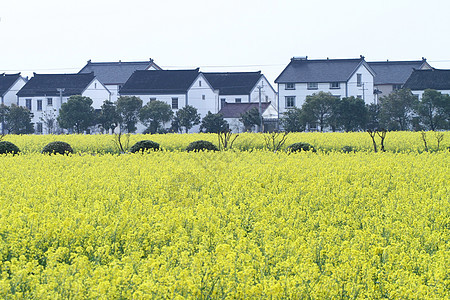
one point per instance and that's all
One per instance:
(229, 93)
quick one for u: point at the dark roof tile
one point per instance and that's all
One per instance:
(234, 110)
(393, 72)
(233, 83)
(428, 79)
(6, 81)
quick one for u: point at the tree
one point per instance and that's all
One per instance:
(109, 118)
(373, 116)
(213, 123)
(396, 110)
(48, 118)
(250, 118)
(4, 111)
(351, 114)
(319, 109)
(154, 114)
(293, 120)
(188, 117)
(128, 108)
(18, 120)
(76, 114)
(434, 110)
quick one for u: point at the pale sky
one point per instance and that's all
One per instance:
(50, 36)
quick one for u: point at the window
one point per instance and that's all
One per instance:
(95, 85)
(396, 87)
(237, 100)
(312, 86)
(39, 105)
(49, 101)
(174, 103)
(152, 99)
(28, 103)
(335, 85)
(199, 83)
(359, 97)
(203, 97)
(290, 86)
(223, 101)
(359, 79)
(39, 127)
(290, 101)
(267, 98)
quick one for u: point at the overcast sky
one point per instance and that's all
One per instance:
(58, 36)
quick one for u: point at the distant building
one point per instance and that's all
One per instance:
(114, 74)
(340, 77)
(232, 113)
(241, 87)
(44, 94)
(10, 84)
(392, 75)
(435, 79)
(178, 88)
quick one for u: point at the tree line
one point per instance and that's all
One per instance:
(400, 110)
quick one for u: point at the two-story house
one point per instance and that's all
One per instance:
(178, 88)
(340, 77)
(392, 75)
(436, 79)
(241, 87)
(114, 74)
(44, 94)
(10, 84)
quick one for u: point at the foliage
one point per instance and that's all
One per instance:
(373, 116)
(76, 114)
(396, 110)
(48, 119)
(128, 108)
(275, 140)
(320, 109)
(143, 146)
(293, 120)
(251, 118)
(226, 139)
(227, 225)
(122, 145)
(298, 147)
(18, 120)
(154, 114)
(434, 110)
(188, 117)
(201, 146)
(109, 117)
(4, 111)
(351, 114)
(213, 123)
(8, 148)
(57, 147)
(348, 149)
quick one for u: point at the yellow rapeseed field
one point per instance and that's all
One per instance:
(225, 225)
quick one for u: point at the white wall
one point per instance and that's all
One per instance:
(203, 97)
(114, 90)
(97, 92)
(10, 97)
(367, 80)
(420, 93)
(268, 94)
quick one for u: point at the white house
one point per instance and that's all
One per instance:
(392, 75)
(232, 112)
(340, 77)
(44, 94)
(114, 74)
(178, 88)
(10, 84)
(242, 87)
(435, 79)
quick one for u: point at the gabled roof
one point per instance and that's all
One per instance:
(428, 79)
(234, 110)
(48, 84)
(116, 72)
(6, 81)
(394, 72)
(159, 82)
(302, 70)
(233, 83)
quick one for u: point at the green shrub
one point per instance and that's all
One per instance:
(8, 148)
(144, 145)
(57, 148)
(348, 149)
(201, 146)
(300, 147)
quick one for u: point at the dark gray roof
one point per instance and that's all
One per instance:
(116, 72)
(319, 70)
(235, 110)
(233, 83)
(159, 82)
(394, 72)
(6, 81)
(428, 79)
(48, 84)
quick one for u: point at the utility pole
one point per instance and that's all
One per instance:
(260, 108)
(60, 90)
(363, 90)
